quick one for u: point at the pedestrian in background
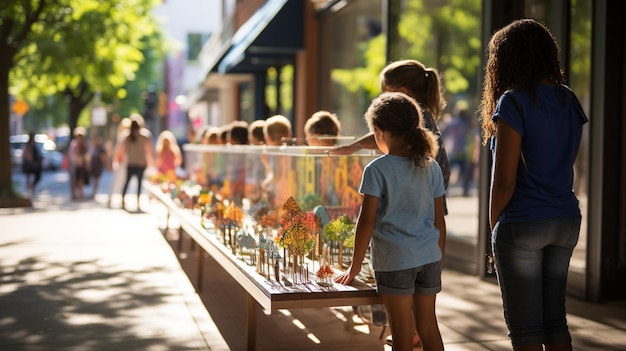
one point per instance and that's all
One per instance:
(78, 152)
(455, 139)
(118, 162)
(168, 154)
(136, 148)
(31, 164)
(407, 233)
(533, 123)
(97, 160)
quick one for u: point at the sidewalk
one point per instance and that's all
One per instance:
(80, 276)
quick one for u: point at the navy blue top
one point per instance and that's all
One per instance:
(550, 124)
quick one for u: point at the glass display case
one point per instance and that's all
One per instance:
(262, 199)
(266, 177)
(279, 220)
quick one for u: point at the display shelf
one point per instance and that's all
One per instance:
(270, 294)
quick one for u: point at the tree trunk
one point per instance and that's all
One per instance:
(6, 181)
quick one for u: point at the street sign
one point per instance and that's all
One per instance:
(20, 107)
(98, 116)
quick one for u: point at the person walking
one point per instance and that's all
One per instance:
(97, 161)
(31, 164)
(455, 138)
(118, 162)
(402, 216)
(78, 153)
(533, 123)
(136, 148)
(168, 154)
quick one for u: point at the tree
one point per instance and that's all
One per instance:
(72, 47)
(340, 230)
(446, 36)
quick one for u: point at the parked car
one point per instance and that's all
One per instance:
(51, 158)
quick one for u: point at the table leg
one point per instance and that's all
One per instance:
(252, 306)
(200, 268)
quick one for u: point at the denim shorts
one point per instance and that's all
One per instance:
(532, 262)
(424, 280)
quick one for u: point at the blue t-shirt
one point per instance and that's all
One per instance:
(550, 125)
(405, 235)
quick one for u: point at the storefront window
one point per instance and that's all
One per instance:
(279, 90)
(352, 53)
(579, 79)
(446, 35)
(576, 57)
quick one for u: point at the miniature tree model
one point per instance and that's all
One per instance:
(325, 273)
(204, 201)
(321, 220)
(267, 222)
(296, 235)
(338, 230)
(233, 217)
(246, 244)
(310, 201)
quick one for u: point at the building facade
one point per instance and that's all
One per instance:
(298, 57)
(186, 31)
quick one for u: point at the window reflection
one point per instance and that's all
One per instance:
(578, 72)
(352, 55)
(579, 79)
(446, 35)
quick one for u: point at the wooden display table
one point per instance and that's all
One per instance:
(269, 294)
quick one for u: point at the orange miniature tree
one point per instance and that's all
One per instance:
(296, 236)
(233, 217)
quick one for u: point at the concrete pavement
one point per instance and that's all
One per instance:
(81, 276)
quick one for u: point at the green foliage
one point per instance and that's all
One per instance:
(440, 34)
(310, 201)
(285, 91)
(339, 229)
(82, 47)
(364, 78)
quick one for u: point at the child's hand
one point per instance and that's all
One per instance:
(346, 277)
(344, 150)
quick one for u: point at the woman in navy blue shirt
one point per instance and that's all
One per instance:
(534, 125)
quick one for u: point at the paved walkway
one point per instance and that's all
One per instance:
(81, 276)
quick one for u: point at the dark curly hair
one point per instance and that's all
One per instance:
(520, 55)
(400, 115)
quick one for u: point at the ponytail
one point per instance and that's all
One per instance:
(422, 145)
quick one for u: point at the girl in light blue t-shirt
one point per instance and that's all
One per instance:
(402, 215)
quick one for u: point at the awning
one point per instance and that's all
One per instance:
(195, 97)
(271, 36)
(215, 48)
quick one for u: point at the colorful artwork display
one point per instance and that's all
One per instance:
(286, 211)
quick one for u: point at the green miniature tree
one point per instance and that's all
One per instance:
(340, 230)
